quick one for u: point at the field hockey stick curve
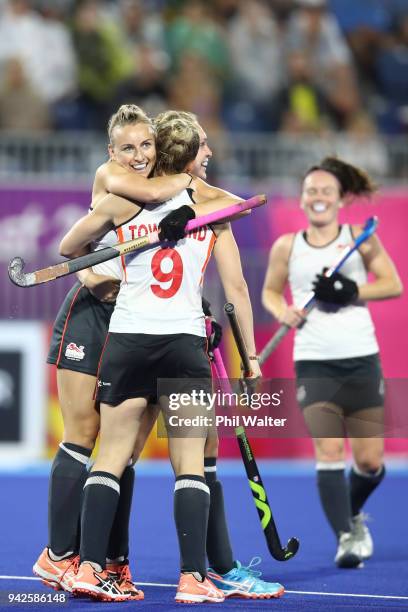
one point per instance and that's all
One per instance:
(278, 552)
(30, 279)
(368, 230)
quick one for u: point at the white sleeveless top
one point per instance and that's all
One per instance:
(162, 287)
(112, 266)
(330, 332)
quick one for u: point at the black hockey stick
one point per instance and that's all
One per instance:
(263, 507)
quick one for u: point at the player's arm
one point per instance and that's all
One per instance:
(120, 181)
(204, 194)
(276, 278)
(111, 211)
(386, 283)
(228, 262)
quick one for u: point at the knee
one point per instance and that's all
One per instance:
(83, 433)
(369, 463)
(330, 452)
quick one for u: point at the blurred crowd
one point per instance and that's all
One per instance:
(285, 66)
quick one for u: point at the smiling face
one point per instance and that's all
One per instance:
(321, 198)
(200, 164)
(133, 146)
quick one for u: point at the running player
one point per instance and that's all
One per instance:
(156, 331)
(338, 371)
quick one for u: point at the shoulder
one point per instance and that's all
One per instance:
(369, 247)
(282, 247)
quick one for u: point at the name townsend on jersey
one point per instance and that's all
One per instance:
(142, 229)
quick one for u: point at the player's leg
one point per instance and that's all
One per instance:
(325, 422)
(367, 471)
(118, 432)
(191, 507)
(228, 574)
(117, 562)
(68, 476)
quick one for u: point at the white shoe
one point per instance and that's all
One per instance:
(348, 552)
(362, 535)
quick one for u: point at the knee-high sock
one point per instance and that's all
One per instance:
(362, 484)
(191, 507)
(68, 475)
(334, 495)
(219, 550)
(119, 537)
(101, 496)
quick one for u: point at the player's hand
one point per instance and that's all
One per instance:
(172, 227)
(250, 382)
(336, 289)
(103, 288)
(292, 317)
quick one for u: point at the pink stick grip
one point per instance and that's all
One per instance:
(217, 215)
(257, 200)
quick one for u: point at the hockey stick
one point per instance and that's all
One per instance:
(368, 230)
(263, 507)
(30, 279)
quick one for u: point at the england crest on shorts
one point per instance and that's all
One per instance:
(74, 352)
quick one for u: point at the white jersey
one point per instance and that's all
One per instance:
(330, 332)
(162, 287)
(111, 267)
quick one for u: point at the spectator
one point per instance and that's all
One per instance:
(363, 145)
(21, 108)
(147, 85)
(195, 30)
(21, 31)
(391, 73)
(255, 51)
(194, 88)
(103, 61)
(315, 33)
(301, 107)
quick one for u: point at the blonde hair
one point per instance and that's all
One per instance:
(177, 144)
(127, 114)
(170, 115)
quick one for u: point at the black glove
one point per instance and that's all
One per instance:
(173, 225)
(216, 329)
(337, 289)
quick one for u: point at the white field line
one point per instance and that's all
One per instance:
(159, 584)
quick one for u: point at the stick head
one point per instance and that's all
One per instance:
(16, 274)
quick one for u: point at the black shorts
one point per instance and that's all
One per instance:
(352, 384)
(79, 332)
(132, 364)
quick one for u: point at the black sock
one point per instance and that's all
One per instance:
(219, 550)
(191, 507)
(67, 479)
(101, 497)
(361, 487)
(119, 536)
(335, 498)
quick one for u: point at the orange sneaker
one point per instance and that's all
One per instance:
(56, 574)
(191, 590)
(120, 572)
(99, 585)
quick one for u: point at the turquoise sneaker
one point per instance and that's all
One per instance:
(245, 582)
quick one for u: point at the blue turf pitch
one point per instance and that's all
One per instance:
(154, 556)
